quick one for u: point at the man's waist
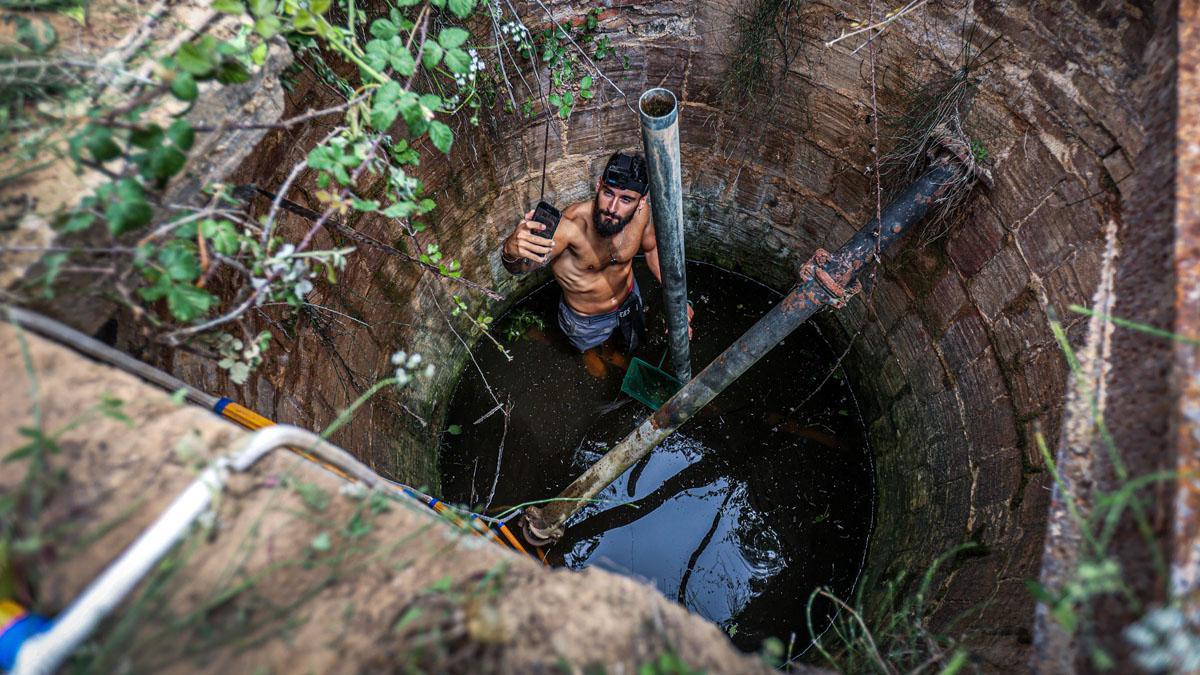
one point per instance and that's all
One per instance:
(631, 294)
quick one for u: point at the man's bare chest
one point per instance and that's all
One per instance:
(595, 254)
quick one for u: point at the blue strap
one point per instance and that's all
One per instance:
(219, 408)
(18, 632)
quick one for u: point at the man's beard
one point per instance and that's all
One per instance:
(608, 223)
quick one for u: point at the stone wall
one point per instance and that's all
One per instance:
(949, 350)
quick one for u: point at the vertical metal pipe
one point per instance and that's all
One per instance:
(827, 286)
(659, 111)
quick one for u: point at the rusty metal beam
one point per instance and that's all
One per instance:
(828, 279)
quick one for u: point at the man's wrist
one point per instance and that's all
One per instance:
(504, 255)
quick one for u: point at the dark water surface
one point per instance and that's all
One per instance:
(758, 500)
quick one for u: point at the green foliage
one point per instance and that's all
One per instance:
(519, 323)
(668, 663)
(979, 151)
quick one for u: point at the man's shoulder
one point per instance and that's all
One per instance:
(578, 211)
(575, 217)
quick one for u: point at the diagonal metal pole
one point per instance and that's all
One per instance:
(828, 279)
(659, 112)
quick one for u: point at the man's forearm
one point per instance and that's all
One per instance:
(652, 263)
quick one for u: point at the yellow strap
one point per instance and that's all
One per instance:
(9, 612)
(245, 417)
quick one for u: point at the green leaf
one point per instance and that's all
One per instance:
(229, 6)
(385, 107)
(147, 138)
(185, 302)
(232, 72)
(53, 263)
(183, 87)
(454, 429)
(437, 3)
(402, 62)
(411, 614)
(181, 134)
(261, 8)
(267, 27)
(431, 54)
(129, 210)
(259, 55)
(188, 303)
(100, 145)
(319, 6)
(452, 37)
(441, 136)
(401, 209)
(321, 542)
(585, 82)
(432, 102)
(179, 262)
(162, 163)
(461, 8)
(223, 235)
(195, 59)
(78, 222)
(458, 61)
(384, 29)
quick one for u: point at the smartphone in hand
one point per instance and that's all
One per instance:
(549, 216)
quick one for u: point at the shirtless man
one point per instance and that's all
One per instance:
(591, 256)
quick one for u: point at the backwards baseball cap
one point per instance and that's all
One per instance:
(627, 172)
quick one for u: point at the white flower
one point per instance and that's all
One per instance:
(413, 361)
(429, 371)
(399, 358)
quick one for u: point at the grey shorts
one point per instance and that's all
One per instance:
(585, 332)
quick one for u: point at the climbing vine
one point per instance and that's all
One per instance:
(192, 273)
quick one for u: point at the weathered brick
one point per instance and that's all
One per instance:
(999, 282)
(943, 302)
(971, 246)
(1021, 330)
(999, 478)
(963, 342)
(917, 355)
(1047, 241)
(1038, 380)
(887, 302)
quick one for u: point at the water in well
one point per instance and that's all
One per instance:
(763, 497)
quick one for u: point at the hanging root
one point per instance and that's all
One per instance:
(932, 127)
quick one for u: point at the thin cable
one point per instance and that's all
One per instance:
(545, 149)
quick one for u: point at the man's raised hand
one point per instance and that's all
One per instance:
(528, 244)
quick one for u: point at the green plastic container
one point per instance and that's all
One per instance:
(649, 385)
